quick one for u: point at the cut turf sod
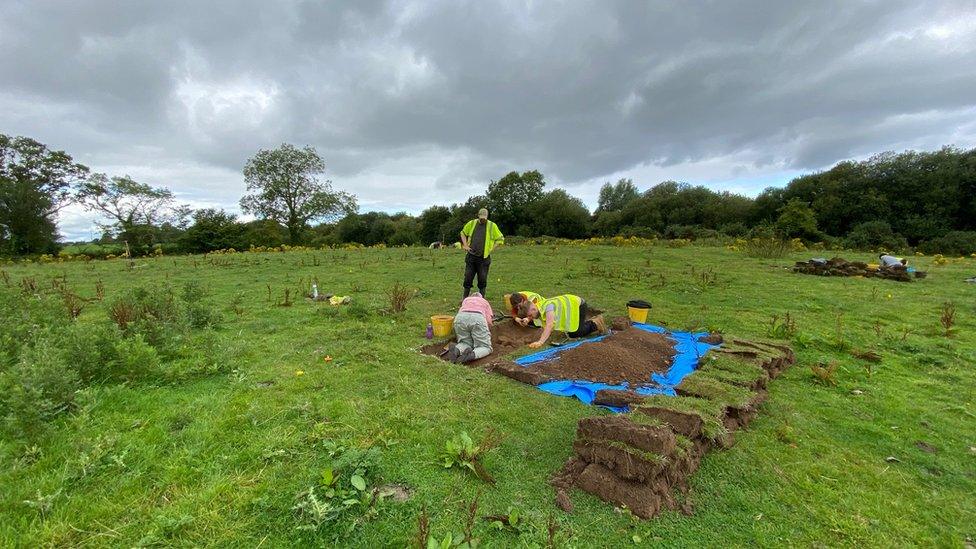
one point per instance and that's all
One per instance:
(634, 460)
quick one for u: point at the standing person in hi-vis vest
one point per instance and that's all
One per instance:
(564, 313)
(478, 238)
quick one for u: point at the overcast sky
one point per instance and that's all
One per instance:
(413, 103)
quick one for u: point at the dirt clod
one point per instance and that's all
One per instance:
(713, 338)
(601, 482)
(563, 501)
(619, 323)
(512, 370)
(616, 398)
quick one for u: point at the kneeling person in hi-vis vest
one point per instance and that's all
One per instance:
(564, 313)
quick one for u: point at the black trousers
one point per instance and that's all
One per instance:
(475, 265)
(586, 327)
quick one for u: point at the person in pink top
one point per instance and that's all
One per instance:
(472, 326)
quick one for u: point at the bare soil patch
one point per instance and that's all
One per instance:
(629, 356)
(506, 338)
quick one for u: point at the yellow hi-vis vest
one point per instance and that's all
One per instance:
(531, 296)
(567, 309)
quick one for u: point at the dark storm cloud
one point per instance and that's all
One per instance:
(441, 96)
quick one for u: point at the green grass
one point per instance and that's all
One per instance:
(710, 411)
(219, 460)
(732, 370)
(727, 394)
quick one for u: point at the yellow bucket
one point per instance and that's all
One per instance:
(443, 325)
(637, 314)
(873, 266)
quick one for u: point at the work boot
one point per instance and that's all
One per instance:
(451, 354)
(601, 325)
(465, 357)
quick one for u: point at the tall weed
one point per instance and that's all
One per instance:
(766, 247)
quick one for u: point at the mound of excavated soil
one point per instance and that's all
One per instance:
(506, 338)
(630, 356)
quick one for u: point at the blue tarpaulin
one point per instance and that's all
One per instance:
(688, 349)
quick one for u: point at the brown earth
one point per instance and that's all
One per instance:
(630, 356)
(640, 498)
(506, 338)
(649, 438)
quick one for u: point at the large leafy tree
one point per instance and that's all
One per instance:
(614, 197)
(797, 220)
(35, 184)
(284, 186)
(135, 210)
(432, 221)
(510, 198)
(561, 215)
(213, 230)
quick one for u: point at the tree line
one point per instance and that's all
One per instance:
(925, 200)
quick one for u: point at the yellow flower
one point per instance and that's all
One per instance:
(299, 372)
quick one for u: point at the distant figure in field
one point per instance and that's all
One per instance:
(472, 328)
(478, 238)
(563, 313)
(887, 260)
(437, 245)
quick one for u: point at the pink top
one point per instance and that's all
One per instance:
(478, 304)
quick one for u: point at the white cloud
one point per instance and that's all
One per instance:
(413, 102)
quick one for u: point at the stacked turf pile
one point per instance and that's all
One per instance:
(841, 267)
(639, 458)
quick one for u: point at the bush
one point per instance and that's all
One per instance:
(639, 232)
(764, 242)
(134, 359)
(874, 235)
(40, 385)
(20, 317)
(734, 229)
(689, 232)
(956, 243)
(199, 312)
(160, 314)
(45, 359)
(797, 220)
(91, 350)
(202, 355)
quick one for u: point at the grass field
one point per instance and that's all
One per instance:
(882, 458)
